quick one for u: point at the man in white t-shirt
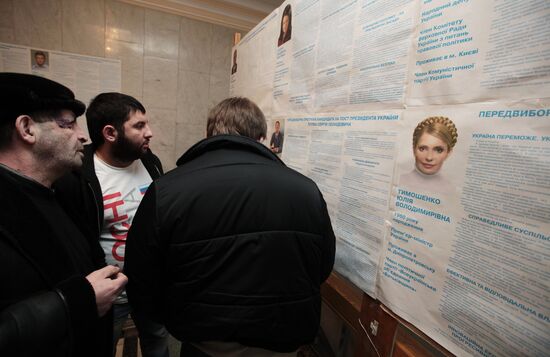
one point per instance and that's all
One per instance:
(118, 167)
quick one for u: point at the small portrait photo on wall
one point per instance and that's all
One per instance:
(40, 60)
(286, 26)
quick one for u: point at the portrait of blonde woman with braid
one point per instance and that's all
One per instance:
(433, 141)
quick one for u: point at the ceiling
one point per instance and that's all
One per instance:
(238, 14)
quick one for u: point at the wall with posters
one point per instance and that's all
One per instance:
(177, 67)
(453, 236)
(85, 75)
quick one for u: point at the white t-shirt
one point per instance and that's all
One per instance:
(122, 190)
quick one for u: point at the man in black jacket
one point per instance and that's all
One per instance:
(55, 299)
(104, 195)
(229, 249)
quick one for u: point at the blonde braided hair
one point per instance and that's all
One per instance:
(440, 127)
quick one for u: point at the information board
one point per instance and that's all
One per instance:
(426, 125)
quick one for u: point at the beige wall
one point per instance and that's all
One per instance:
(177, 67)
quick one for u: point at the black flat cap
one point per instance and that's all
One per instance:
(25, 94)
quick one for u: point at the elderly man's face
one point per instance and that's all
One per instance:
(61, 141)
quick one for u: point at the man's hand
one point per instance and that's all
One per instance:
(107, 283)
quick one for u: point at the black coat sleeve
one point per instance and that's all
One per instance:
(153, 165)
(143, 262)
(54, 322)
(329, 243)
(35, 326)
(159, 165)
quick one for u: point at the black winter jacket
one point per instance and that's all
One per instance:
(47, 307)
(232, 246)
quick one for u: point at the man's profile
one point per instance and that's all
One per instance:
(104, 194)
(56, 293)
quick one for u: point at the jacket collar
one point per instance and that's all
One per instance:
(227, 142)
(88, 166)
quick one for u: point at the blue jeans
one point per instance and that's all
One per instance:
(153, 337)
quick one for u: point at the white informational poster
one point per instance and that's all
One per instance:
(340, 58)
(471, 51)
(254, 62)
(351, 158)
(86, 76)
(467, 255)
(426, 125)
(295, 82)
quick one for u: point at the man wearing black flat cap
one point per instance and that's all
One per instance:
(55, 298)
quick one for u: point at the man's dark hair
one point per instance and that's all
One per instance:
(237, 116)
(39, 53)
(109, 109)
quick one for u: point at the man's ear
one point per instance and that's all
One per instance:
(25, 129)
(110, 134)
